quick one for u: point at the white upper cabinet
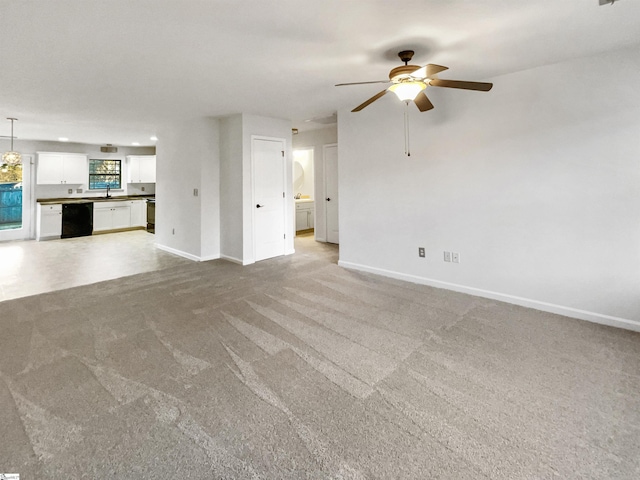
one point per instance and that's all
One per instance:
(75, 169)
(142, 168)
(50, 167)
(57, 168)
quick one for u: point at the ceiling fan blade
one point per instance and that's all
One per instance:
(480, 86)
(422, 102)
(371, 100)
(361, 83)
(428, 71)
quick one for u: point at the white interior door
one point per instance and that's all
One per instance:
(330, 153)
(268, 173)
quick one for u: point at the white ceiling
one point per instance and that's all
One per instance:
(111, 71)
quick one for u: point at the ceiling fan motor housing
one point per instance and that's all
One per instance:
(402, 73)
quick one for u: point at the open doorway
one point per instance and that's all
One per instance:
(303, 188)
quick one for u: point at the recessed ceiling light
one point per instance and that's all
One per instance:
(154, 138)
(63, 139)
(135, 144)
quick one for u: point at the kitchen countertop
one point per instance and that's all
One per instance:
(67, 200)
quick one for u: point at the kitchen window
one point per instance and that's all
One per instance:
(105, 173)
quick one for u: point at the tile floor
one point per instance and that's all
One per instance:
(30, 267)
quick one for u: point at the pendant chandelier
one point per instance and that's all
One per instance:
(11, 157)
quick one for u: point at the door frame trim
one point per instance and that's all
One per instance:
(324, 189)
(283, 142)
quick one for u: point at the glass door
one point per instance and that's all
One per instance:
(15, 200)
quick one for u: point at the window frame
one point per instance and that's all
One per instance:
(111, 185)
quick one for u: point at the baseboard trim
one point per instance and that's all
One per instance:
(118, 230)
(189, 256)
(249, 262)
(232, 259)
(594, 317)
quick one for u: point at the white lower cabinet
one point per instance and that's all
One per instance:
(304, 216)
(122, 216)
(138, 213)
(115, 215)
(111, 216)
(49, 221)
(101, 218)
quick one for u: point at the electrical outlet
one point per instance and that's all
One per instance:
(455, 257)
(142, 188)
(70, 191)
(447, 256)
(78, 190)
(195, 192)
(421, 252)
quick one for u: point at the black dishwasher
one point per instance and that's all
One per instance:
(77, 219)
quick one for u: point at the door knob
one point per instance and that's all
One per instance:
(259, 206)
(328, 199)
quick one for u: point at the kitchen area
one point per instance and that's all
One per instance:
(76, 193)
(81, 195)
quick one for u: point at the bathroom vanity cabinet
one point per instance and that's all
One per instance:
(304, 215)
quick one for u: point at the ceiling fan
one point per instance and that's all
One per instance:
(410, 81)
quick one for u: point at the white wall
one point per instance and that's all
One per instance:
(213, 155)
(188, 158)
(231, 195)
(536, 184)
(209, 193)
(236, 198)
(316, 139)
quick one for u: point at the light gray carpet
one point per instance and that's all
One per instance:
(296, 368)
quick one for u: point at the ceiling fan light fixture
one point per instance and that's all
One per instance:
(11, 157)
(407, 91)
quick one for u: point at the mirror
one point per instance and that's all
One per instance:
(298, 176)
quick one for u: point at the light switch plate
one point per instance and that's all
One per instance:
(455, 257)
(447, 256)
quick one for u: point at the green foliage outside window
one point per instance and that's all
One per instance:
(10, 173)
(104, 173)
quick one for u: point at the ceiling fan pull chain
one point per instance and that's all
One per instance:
(407, 148)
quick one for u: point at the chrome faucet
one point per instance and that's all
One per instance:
(108, 188)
